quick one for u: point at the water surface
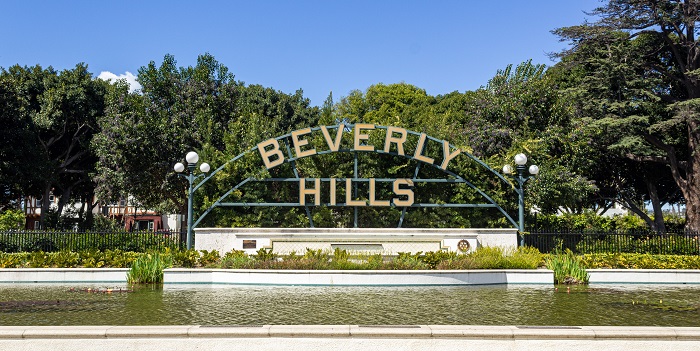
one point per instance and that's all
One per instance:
(652, 305)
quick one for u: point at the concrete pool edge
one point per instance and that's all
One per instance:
(348, 331)
(350, 337)
(176, 276)
(643, 276)
(63, 275)
(183, 276)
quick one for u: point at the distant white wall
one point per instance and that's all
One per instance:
(172, 222)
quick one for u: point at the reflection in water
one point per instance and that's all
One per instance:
(244, 305)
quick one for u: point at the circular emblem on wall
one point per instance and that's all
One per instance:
(463, 245)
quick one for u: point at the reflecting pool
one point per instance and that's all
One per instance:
(652, 305)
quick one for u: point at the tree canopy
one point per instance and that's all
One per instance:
(52, 117)
(635, 77)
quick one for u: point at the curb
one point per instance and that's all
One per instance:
(354, 331)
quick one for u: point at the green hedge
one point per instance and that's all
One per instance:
(640, 261)
(69, 259)
(483, 258)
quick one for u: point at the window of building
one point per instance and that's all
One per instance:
(143, 225)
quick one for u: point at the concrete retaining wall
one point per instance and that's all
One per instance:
(644, 276)
(387, 241)
(375, 278)
(357, 278)
(63, 275)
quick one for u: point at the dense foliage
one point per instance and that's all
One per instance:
(640, 261)
(565, 264)
(11, 219)
(50, 119)
(148, 264)
(588, 220)
(633, 75)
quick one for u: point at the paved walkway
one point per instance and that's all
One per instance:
(347, 337)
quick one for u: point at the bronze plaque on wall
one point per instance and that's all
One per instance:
(249, 244)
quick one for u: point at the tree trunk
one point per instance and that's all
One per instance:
(44, 206)
(659, 224)
(692, 209)
(632, 206)
(692, 203)
(605, 207)
(691, 190)
(61, 204)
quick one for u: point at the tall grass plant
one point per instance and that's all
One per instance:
(148, 269)
(567, 267)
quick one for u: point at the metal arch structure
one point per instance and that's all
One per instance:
(291, 159)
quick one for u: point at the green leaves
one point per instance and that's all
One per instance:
(51, 118)
(144, 133)
(633, 73)
(12, 219)
(180, 109)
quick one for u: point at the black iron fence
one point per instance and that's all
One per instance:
(51, 241)
(578, 241)
(637, 241)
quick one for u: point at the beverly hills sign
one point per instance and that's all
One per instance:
(395, 142)
(355, 192)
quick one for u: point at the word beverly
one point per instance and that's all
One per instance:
(394, 135)
(272, 156)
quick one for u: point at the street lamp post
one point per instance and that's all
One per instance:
(522, 174)
(192, 158)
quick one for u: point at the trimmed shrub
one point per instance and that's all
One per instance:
(209, 259)
(235, 259)
(640, 261)
(184, 258)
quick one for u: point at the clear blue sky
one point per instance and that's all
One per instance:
(318, 46)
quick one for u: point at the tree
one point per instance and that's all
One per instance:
(61, 111)
(180, 109)
(263, 113)
(407, 106)
(144, 133)
(645, 63)
(19, 170)
(597, 90)
(521, 110)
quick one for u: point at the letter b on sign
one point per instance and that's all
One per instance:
(267, 154)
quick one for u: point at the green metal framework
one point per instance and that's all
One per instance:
(490, 203)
